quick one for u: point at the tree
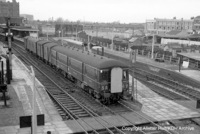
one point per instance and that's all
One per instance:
(59, 19)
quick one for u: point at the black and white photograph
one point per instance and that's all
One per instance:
(99, 67)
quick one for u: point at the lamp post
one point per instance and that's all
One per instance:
(152, 50)
(133, 54)
(61, 33)
(34, 120)
(9, 47)
(77, 31)
(112, 44)
(47, 31)
(88, 42)
(47, 34)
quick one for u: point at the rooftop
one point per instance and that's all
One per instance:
(195, 56)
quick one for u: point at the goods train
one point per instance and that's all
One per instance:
(105, 79)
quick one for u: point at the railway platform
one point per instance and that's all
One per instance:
(194, 74)
(20, 103)
(154, 108)
(160, 108)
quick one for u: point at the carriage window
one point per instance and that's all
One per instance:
(104, 75)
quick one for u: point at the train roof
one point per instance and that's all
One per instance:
(90, 58)
(50, 44)
(32, 39)
(74, 41)
(41, 42)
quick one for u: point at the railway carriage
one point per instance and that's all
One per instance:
(47, 49)
(106, 79)
(62, 59)
(40, 48)
(31, 44)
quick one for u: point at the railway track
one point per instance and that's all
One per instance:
(160, 89)
(59, 97)
(68, 103)
(76, 92)
(68, 106)
(173, 85)
(170, 89)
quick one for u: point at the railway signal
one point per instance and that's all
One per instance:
(9, 35)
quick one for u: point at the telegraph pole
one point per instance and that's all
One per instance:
(9, 47)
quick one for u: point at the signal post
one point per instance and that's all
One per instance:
(9, 36)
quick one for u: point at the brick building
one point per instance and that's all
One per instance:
(27, 17)
(165, 25)
(9, 9)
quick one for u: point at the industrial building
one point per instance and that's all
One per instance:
(9, 9)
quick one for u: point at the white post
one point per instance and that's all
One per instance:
(34, 120)
(152, 51)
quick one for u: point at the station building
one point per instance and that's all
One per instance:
(20, 31)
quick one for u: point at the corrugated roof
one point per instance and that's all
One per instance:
(41, 42)
(195, 56)
(89, 58)
(173, 32)
(176, 34)
(135, 42)
(25, 29)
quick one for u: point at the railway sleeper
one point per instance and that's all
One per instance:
(69, 105)
(64, 97)
(74, 108)
(79, 111)
(69, 102)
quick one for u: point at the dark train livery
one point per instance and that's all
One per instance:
(104, 78)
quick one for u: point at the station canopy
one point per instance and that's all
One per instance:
(195, 56)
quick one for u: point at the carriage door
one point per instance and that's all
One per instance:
(116, 80)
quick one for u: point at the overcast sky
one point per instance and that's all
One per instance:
(124, 11)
